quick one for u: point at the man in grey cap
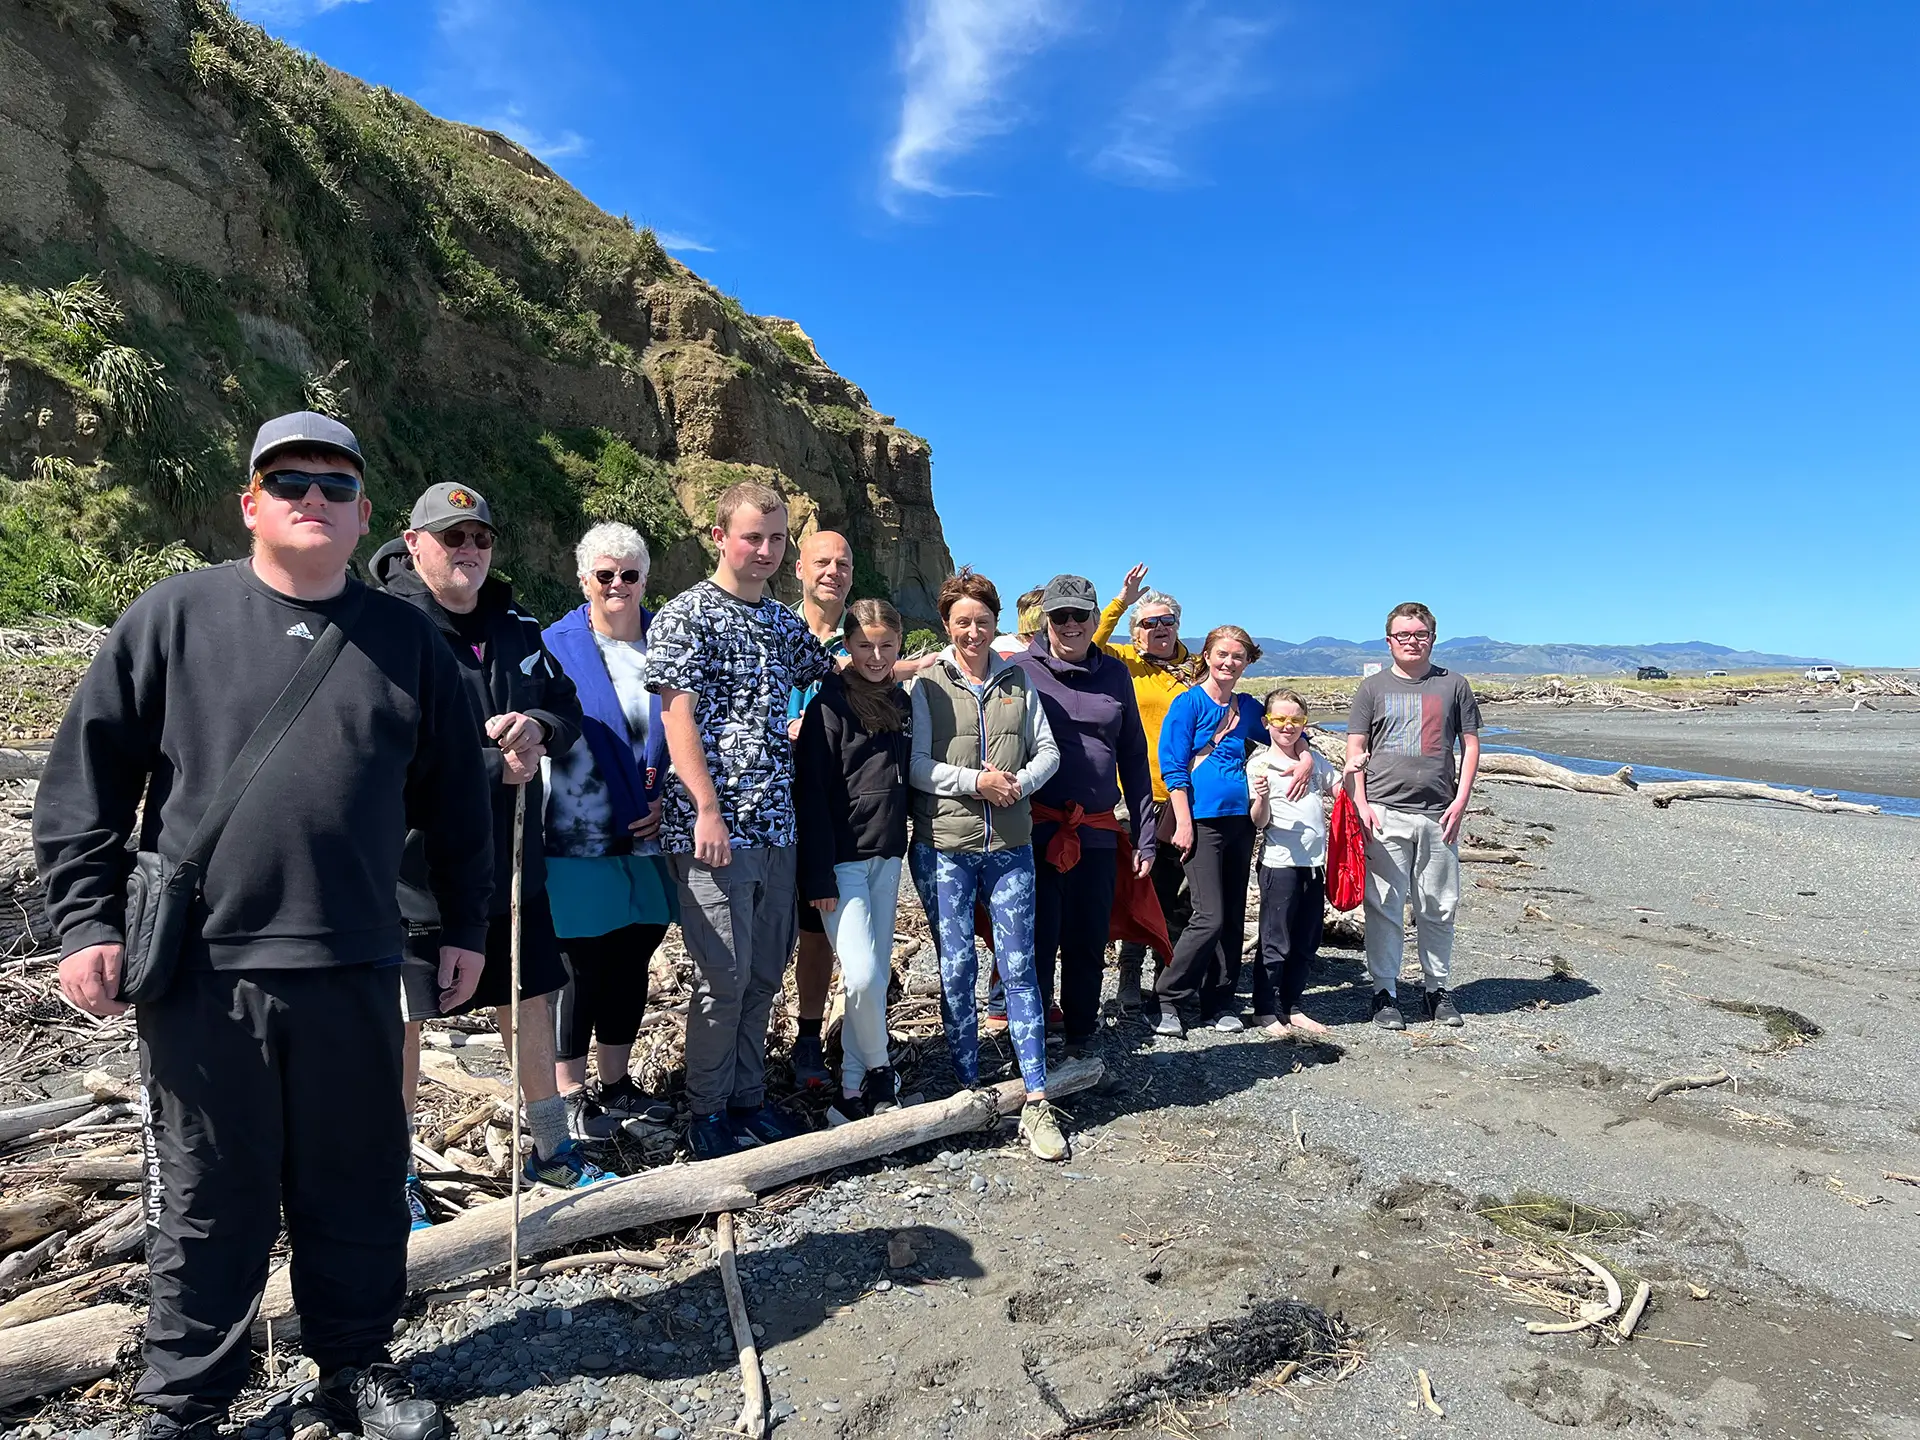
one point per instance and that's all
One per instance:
(270, 1063)
(526, 707)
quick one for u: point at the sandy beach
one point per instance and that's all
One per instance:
(1822, 742)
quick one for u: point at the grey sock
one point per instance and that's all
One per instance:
(547, 1119)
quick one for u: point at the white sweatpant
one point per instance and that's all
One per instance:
(1408, 856)
(861, 929)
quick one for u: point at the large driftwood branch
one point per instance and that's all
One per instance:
(753, 1384)
(1530, 770)
(21, 764)
(36, 1359)
(69, 1349)
(1665, 792)
(1687, 1082)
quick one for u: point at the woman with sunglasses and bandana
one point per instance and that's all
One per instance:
(1090, 708)
(1161, 667)
(613, 897)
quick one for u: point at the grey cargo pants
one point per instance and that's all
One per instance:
(737, 922)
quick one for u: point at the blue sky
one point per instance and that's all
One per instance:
(1580, 321)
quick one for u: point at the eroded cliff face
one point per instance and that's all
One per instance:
(203, 227)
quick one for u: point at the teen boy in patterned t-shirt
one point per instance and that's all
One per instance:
(724, 657)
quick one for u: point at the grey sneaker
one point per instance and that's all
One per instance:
(1440, 1009)
(1386, 1014)
(1168, 1026)
(376, 1402)
(1229, 1024)
(1040, 1128)
(586, 1121)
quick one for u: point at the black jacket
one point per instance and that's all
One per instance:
(514, 672)
(304, 874)
(849, 788)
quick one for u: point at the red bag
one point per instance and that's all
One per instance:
(1346, 855)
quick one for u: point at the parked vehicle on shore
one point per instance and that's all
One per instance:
(1821, 674)
(1651, 672)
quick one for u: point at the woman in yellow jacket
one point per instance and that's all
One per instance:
(1161, 667)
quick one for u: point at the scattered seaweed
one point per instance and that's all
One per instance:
(1785, 1028)
(1535, 1216)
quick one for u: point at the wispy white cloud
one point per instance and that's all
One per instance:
(287, 12)
(511, 123)
(958, 59)
(1209, 65)
(670, 240)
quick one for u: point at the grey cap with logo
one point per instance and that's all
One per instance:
(447, 503)
(1069, 592)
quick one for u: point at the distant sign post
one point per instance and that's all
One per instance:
(1372, 667)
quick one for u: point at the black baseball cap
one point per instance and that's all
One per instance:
(1069, 592)
(305, 430)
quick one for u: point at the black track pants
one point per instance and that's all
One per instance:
(267, 1089)
(1292, 915)
(606, 991)
(1072, 913)
(1204, 974)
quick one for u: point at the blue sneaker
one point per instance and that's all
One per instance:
(710, 1137)
(417, 1204)
(568, 1168)
(764, 1126)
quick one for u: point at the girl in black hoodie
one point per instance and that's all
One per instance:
(850, 797)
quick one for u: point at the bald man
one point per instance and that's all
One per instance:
(825, 568)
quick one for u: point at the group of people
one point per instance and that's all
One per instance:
(759, 775)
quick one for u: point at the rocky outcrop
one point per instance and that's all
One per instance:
(270, 233)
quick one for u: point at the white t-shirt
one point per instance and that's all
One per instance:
(1296, 829)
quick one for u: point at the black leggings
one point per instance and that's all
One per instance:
(606, 991)
(1292, 915)
(1072, 912)
(1205, 970)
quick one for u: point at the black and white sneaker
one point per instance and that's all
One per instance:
(1167, 1025)
(1386, 1014)
(846, 1109)
(586, 1121)
(625, 1100)
(881, 1090)
(375, 1401)
(1440, 1009)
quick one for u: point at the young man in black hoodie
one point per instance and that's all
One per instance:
(526, 707)
(271, 1064)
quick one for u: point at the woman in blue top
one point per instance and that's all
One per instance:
(611, 894)
(1203, 758)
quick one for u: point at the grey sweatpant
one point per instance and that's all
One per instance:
(1409, 859)
(737, 922)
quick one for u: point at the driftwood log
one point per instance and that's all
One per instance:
(22, 1263)
(21, 764)
(50, 1355)
(1663, 793)
(1687, 1082)
(753, 1384)
(1530, 770)
(61, 1296)
(33, 1218)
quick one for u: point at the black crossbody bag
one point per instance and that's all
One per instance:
(161, 892)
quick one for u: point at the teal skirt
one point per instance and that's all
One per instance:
(608, 893)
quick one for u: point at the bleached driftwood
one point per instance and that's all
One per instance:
(21, 764)
(1687, 1082)
(33, 1218)
(753, 1384)
(22, 1263)
(1531, 770)
(1663, 793)
(61, 1296)
(52, 1354)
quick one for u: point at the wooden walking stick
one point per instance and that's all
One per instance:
(513, 1022)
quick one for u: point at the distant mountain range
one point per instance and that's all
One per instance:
(1483, 655)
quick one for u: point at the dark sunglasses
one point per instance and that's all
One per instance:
(1157, 622)
(625, 577)
(336, 486)
(1070, 617)
(479, 537)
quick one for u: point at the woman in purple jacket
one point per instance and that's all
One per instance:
(1090, 706)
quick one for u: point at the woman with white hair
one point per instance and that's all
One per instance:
(611, 894)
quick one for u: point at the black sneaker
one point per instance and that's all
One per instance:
(625, 1100)
(881, 1090)
(810, 1063)
(376, 1402)
(586, 1121)
(1440, 1009)
(765, 1126)
(710, 1137)
(1386, 1014)
(161, 1426)
(846, 1109)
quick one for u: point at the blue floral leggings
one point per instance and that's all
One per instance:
(948, 881)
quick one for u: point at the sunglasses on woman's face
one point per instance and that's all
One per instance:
(1157, 622)
(1070, 617)
(625, 577)
(336, 486)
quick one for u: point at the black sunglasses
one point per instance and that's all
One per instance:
(625, 577)
(336, 486)
(1070, 617)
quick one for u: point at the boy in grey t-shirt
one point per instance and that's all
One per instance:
(1401, 736)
